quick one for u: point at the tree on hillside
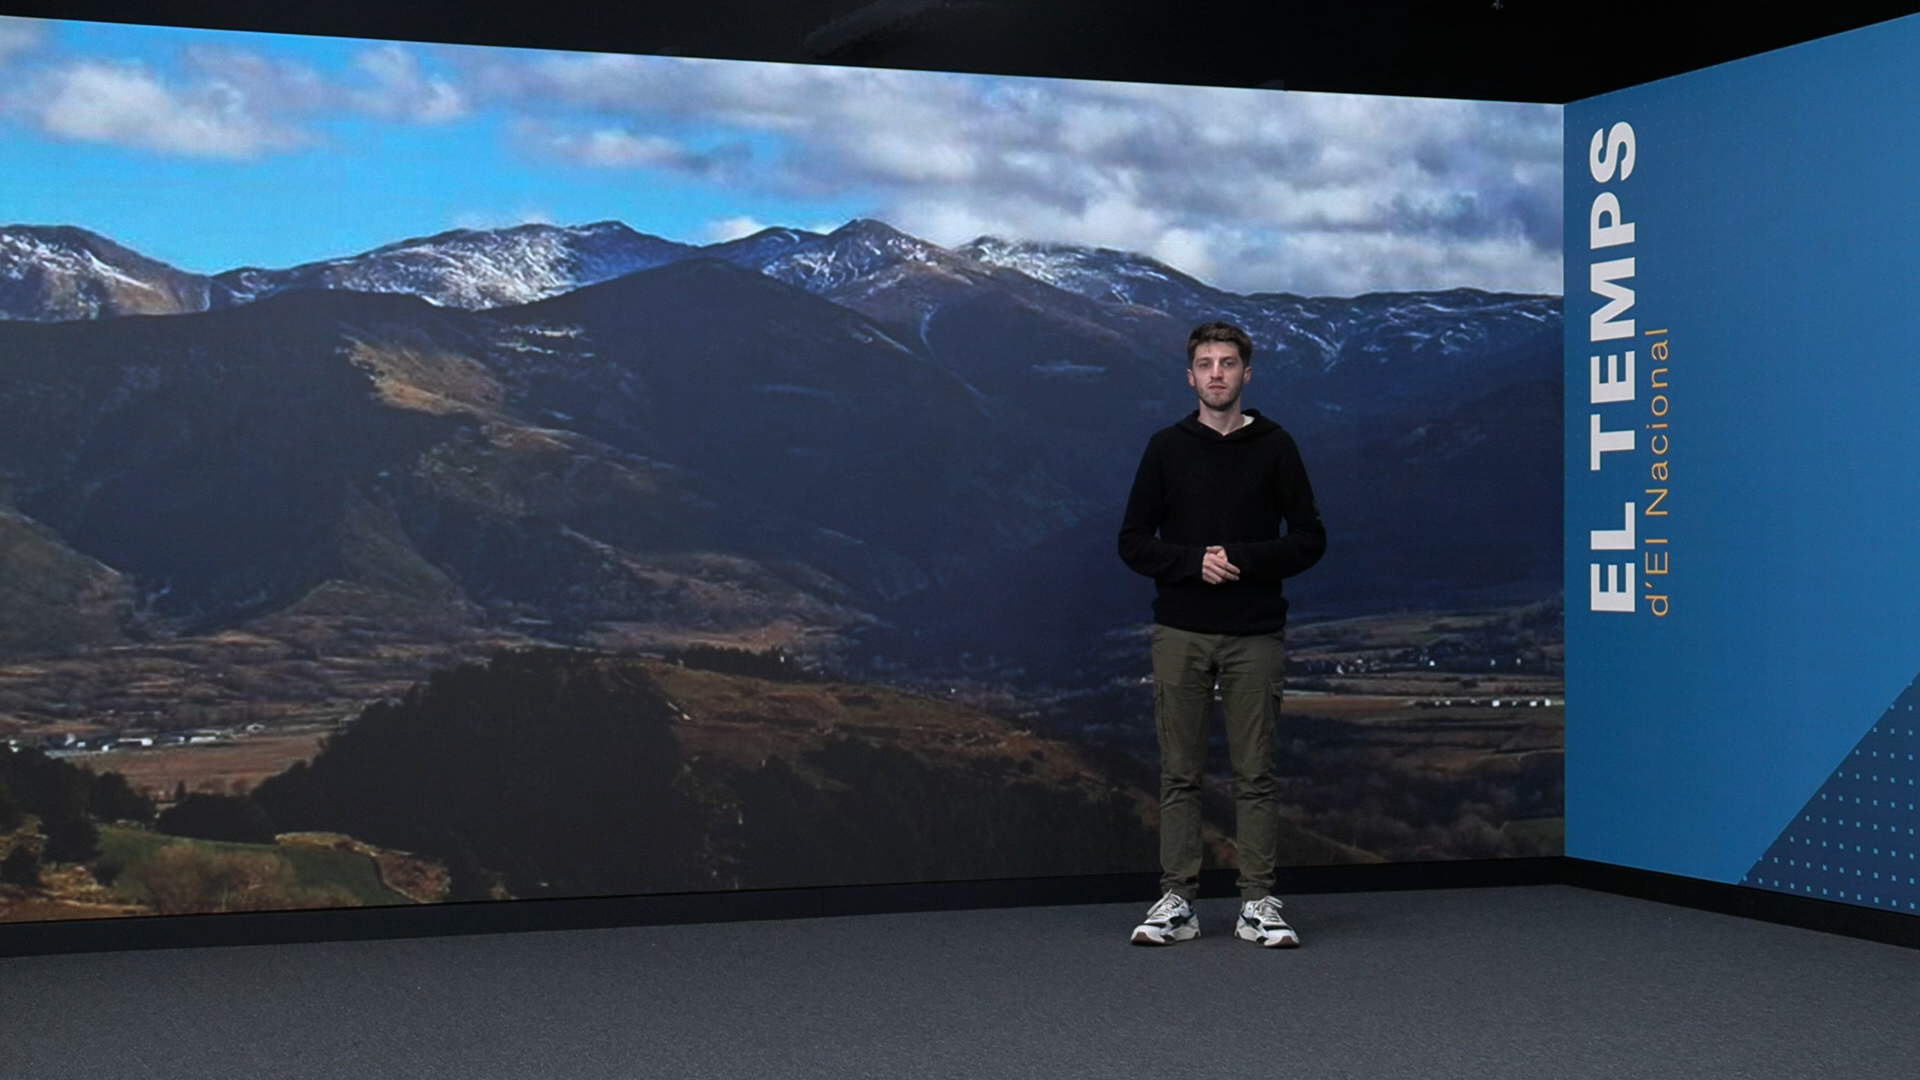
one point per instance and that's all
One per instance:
(21, 867)
(231, 818)
(33, 783)
(70, 836)
(113, 799)
(559, 771)
(887, 814)
(466, 878)
(10, 813)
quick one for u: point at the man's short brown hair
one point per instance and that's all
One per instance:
(1219, 331)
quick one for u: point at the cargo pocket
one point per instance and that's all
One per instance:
(1160, 713)
(1279, 671)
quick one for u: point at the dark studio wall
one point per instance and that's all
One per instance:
(1508, 50)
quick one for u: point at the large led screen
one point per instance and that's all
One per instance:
(455, 473)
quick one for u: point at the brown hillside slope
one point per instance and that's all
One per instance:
(826, 737)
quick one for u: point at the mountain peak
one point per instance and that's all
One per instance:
(780, 232)
(1100, 273)
(756, 250)
(868, 227)
(529, 231)
(859, 249)
(56, 273)
(472, 268)
(609, 227)
(879, 236)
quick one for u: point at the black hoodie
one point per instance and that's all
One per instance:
(1197, 488)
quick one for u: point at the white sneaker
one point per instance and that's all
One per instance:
(1260, 921)
(1169, 920)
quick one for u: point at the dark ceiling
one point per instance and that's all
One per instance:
(1518, 50)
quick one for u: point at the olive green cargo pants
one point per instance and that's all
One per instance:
(1250, 671)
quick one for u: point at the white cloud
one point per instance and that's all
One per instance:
(732, 228)
(18, 36)
(402, 91)
(613, 148)
(1253, 190)
(127, 104)
(481, 220)
(225, 102)
(267, 85)
(1192, 250)
(621, 148)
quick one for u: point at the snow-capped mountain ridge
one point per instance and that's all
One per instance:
(1098, 273)
(856, 250)
(64, 273)
(1318, 331)
(470, 268)
(759, 249)
(58, 273)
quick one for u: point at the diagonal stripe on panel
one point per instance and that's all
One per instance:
(1858, 837)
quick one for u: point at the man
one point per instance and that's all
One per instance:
(1203, 522)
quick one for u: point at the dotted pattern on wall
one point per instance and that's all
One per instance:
(1858, 838)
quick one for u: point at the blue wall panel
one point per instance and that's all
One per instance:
(1776, 249)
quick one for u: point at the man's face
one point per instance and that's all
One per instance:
(1217, 374)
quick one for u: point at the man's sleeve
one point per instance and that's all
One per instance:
(1140, 545)
(1306, 538)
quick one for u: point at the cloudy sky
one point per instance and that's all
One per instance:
(212, 150)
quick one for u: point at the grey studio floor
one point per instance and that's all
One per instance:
(1541, 982)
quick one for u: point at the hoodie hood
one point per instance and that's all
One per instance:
(1260, 426)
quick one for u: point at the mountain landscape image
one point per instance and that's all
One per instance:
(447, 473)
(562, 561)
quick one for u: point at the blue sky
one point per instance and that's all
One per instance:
(211, 150)
(359, 183)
